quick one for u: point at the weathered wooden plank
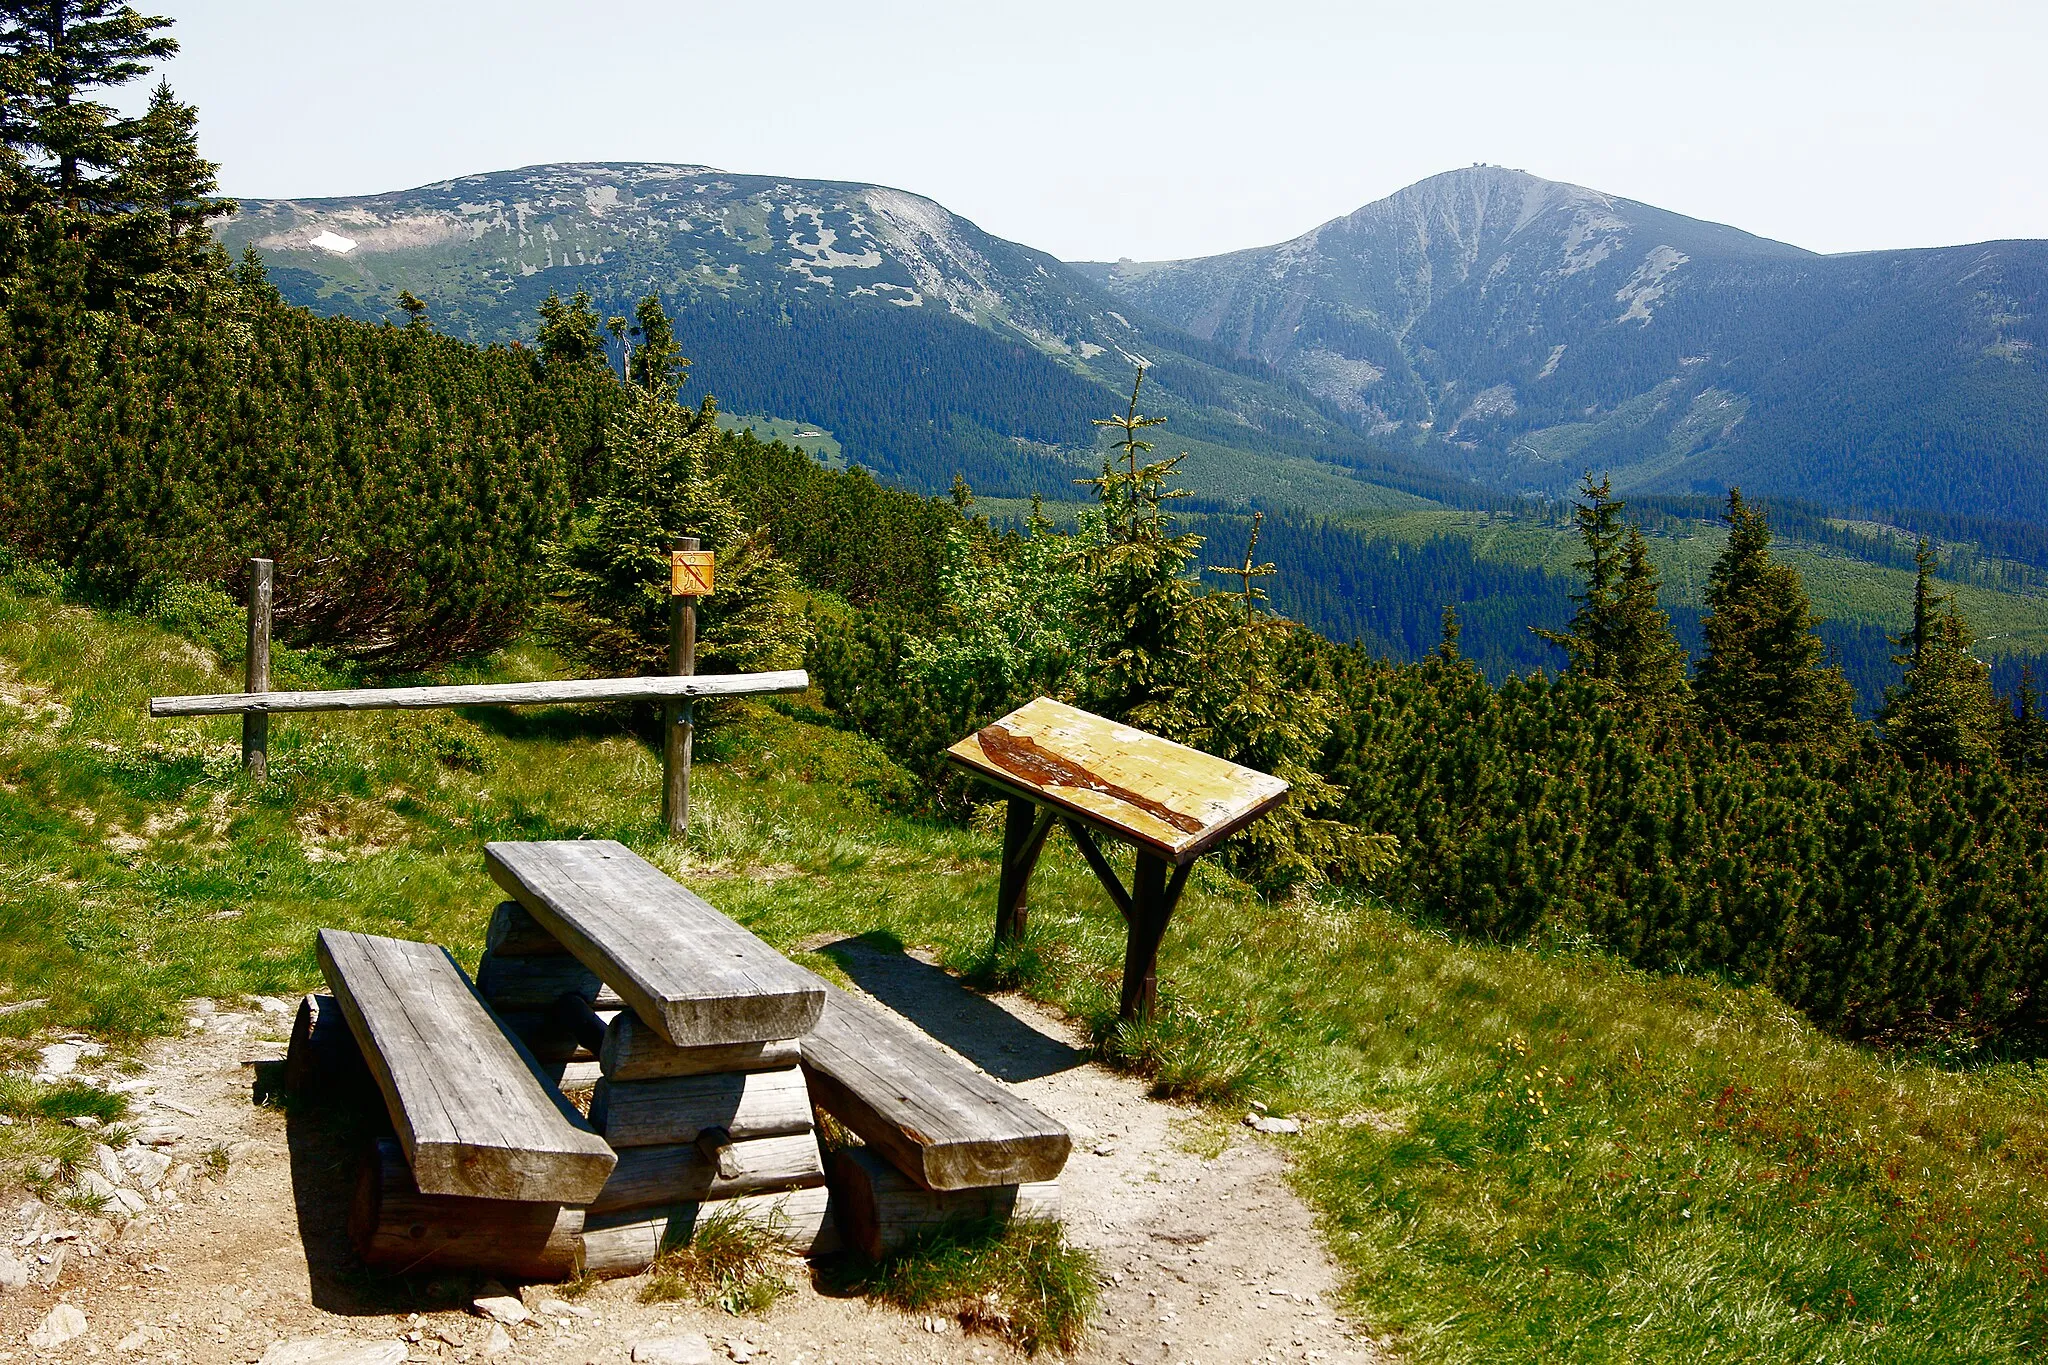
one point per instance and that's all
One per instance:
(626, 1243)
(469, 1102)
(484, 694)
(396, 1228)
(880, 1210)
(514, 933)
(681, 1173)
(1176, 801)
(691, 974)
(634, 1052)
(748, 1105)
(942, 1123)
(533, 983)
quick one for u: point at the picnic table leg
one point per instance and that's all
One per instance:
(1025, 826)
(1153, 898)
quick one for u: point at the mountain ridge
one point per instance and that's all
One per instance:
(1483, 329)
(1519, 330)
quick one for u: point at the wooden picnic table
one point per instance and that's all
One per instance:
(1098, 776)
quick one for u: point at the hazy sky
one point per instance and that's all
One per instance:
(1107, 129)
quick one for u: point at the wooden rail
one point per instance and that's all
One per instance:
(485, 694)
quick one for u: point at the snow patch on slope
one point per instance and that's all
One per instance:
(1647, 285)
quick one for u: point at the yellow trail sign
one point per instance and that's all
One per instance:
(689, 573)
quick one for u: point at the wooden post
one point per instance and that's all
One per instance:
(256, 671)
(1153, 898)
(678, 725)
(1024, 829)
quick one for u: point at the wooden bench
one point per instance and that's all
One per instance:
(939, 1121)
(686, 970)
(472, 1112)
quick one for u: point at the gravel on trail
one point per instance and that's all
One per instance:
(222, 1235)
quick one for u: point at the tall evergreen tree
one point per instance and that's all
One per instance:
(1944, 710)
(1619, 639)
(568, 332)
(2023, 735)
(59, 53)
(1764, 675)
(157, 250)
(656, 363)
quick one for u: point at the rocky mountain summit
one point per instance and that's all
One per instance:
(1522, 330)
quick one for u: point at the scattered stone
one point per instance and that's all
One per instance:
(740, 1349)
(561, 1308)
(159, 1134)
(134, 1341)
(159, 1102)
(270, 1004)
(127, 1203)
(108, 1161)
(179, 1177)
(1259, 1106)
(86, 1122)
(333, 1351)
(96, 1185)
(497, 1341)
(501, 1308)
(60, 1059)
(18, 1006)
(1264, 1124)
(450, 1335)
(145, 1168)
(936, 1326)
(63, 1323)
(13, 1274)
(689, 1349)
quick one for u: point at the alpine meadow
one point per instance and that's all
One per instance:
(1647, 960)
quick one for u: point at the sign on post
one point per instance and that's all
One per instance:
(689, 573)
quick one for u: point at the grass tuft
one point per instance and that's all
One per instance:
(1184, 1054)
(730, 1262)
(1023, 1282)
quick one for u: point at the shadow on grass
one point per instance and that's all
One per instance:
(553, 723)
(971, 1024)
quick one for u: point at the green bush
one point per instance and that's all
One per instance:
(1883, 901)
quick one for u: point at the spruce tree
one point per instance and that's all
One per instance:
(1944, 710)
(1764, 675)
(657, 363)
(2023, 728)
(609, 578)
(414, 308)
(568, 333)
(155, 254)
(56, 54)
(1619, 640)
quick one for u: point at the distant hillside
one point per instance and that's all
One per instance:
(926, 345)
(1520, 331)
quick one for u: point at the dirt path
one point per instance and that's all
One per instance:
(1204, 1260)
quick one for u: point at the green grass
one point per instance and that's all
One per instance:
(728, 1263)
(1023, 1282)
(1515, 1153)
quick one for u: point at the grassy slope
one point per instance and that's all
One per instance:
(1521, 1154)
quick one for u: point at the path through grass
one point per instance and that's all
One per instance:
(1517, 1154)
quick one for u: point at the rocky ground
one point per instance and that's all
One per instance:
(222, 1240)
